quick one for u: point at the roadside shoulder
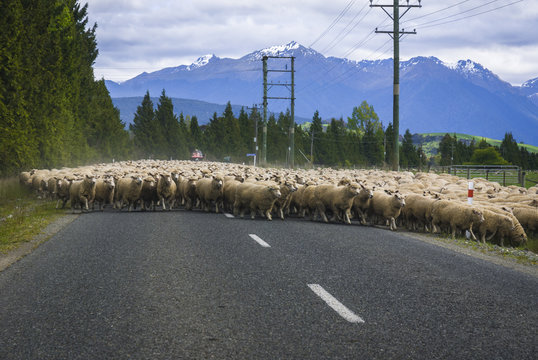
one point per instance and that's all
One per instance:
(477, 252)
(15, 255)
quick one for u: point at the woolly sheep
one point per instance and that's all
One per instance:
(417, 211)
(255, 197)
(81, 192)
(166, 189)
(148, 194)
(187, 189)
(287, 188)
(62, 191)
(208, 191)
(338, 199)
(128, 191)
(228, 191)
(459, 216)
(528, 218)
(495, 224)
(386, 205)
(104, 192)
(361, 203)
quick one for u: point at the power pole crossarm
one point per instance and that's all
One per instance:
(396, 33)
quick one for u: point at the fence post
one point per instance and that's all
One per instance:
(468, 173)
(523, 178)
(504, 177)
(487, 174)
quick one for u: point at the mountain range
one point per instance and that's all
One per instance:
(435, 96)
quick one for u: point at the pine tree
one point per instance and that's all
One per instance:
(168, 128)
(316, 132)
(145, 128)
(195, 133)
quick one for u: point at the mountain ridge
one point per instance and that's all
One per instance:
(435, 96)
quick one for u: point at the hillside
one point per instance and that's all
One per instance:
(430, 141)
(435, 96)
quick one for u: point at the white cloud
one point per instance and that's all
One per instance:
(136, 36)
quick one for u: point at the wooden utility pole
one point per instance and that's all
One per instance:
(396, 34)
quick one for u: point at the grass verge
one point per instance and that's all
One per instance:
(22, 215)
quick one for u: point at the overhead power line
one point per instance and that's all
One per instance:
(335, 21)
(468, 16)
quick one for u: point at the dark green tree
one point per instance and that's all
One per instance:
(145, 128)
(195, 133)
(167, 129)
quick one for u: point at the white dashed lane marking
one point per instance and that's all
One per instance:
(230, 216)
(336, 305)
(258, 240)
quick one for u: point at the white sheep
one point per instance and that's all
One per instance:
(208, 191)
(255, 197)
(166, 189)
(338, 199)
(128, 191)
(81, 192)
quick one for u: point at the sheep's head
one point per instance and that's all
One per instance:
(275, 191)
(398, 201)
(478, 216)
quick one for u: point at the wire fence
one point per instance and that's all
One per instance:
(502, 174)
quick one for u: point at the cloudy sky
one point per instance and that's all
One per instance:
(136, 35)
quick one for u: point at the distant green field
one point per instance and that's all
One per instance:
(430, 141)
(477, 139)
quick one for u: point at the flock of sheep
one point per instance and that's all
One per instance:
(421, 202)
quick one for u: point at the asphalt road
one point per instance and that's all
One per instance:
(190, 285)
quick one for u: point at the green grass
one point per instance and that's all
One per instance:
(22, 215)
(427, 146)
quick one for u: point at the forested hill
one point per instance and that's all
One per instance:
(52, 111)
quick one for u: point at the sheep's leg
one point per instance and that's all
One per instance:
(492, 235)
(393, 224)
(471, 231)
(268, 215)
(163, 203)
(323, 216)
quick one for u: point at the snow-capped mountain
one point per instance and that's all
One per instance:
(435, 96)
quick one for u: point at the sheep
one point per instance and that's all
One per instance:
(228, 191)
(287, 188)
(166, 190)
(209, 190)
(148, 194)
(387, 205)
(417, 211)
(39, 182)
(62, 191)
(81, 192)
(51, 186)
(255, 197)
(495, 224)
(337, 199)
(459, 216)
(128, 191)
(187, 192)
(361, 203)
(25, 178)
(104, 192)
(528, 218)
(295, 203)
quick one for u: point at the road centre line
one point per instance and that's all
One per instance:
(229, 216)
(258, 240)
(336, 305)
